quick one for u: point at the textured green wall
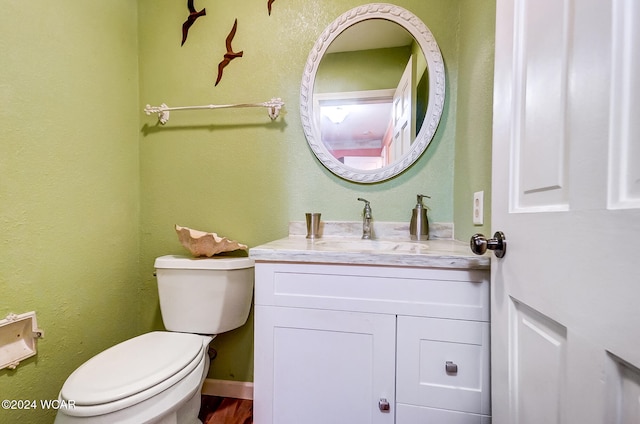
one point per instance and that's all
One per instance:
(375, 69)
(90, 187)
(68, 185)
(474, 115)
(235, 172)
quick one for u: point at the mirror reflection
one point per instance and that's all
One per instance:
(371, 94)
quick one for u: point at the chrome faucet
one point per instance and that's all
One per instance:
(366, 219)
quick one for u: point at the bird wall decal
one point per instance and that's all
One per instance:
(269, 3)
(191, 19)
(230, 54)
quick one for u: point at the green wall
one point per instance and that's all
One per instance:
(374, 69)
(474, 115)
(91, 187)
(69, 201)
(236, 173)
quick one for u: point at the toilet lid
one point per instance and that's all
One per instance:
(131, 367)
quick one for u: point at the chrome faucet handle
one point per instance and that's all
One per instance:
(366, 219)
(367, 207)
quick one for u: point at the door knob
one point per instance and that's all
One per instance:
(479, 244)
(383, 405)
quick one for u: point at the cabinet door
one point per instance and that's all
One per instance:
(444, 363)
(320, 366)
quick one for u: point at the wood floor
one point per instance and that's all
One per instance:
(217, 410)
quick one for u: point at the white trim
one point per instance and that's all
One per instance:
(228, 388)
(362, 96)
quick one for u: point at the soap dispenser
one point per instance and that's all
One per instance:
(419, 227)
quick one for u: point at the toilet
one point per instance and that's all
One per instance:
(157, 377)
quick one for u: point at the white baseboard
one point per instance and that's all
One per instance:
(228, 388)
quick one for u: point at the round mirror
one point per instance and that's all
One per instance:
(372, 93)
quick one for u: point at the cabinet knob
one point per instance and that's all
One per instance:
(383, 405)
(450, 367)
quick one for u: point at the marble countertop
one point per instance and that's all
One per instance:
(393, 250)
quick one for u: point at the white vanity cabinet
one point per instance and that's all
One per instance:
(370, 344)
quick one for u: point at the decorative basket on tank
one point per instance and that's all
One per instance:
(201, 243)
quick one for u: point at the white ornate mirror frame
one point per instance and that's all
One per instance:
(435, 66)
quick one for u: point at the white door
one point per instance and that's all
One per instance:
(566, 194)
(403, 124)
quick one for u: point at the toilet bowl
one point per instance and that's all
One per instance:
(157, 377)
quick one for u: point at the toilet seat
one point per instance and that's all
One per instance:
(133, 371)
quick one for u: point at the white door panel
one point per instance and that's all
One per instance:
(539, 173)
(538, 360)
(566, 193)
(624, 169)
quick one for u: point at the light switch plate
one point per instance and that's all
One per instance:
(478, 208)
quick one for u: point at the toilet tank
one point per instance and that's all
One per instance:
(204, 295)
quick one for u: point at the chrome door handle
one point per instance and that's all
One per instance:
(383, 405)
(479, 244)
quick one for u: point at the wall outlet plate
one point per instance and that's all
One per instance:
(478, 208)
